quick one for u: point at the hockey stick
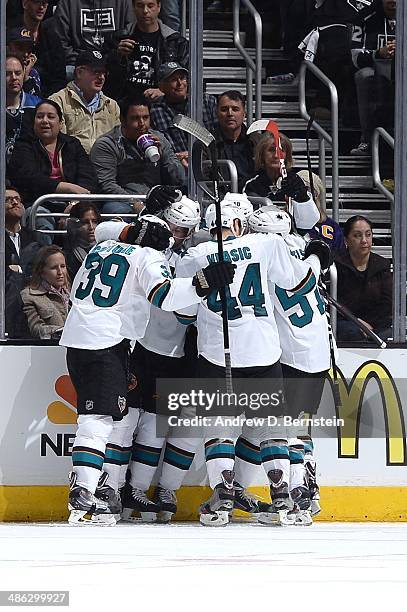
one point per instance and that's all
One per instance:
(322, 286)
(202, 134)
(345, 312)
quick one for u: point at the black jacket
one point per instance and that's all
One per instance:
(240, 152)
(171, 47)
(30, 168)
(376, 32)
(51, 59)
(367, 294)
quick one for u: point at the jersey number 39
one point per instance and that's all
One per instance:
(112, 271)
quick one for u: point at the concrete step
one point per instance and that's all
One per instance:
(352, 182)
(377, 217)
(345, 161)
(220, 37)
(217, 73)
(268, 91)
(233, 54)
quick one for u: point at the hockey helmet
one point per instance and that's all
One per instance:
(185, 213)
(228, 216)
(270, 220)
(239, 201)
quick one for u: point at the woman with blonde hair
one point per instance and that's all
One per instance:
(45, 300)
(290, 193)
(326, 228)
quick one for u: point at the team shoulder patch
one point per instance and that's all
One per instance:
(359, 5)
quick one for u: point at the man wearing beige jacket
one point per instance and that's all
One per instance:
(87, 112)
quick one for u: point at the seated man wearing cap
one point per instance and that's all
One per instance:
(173, 82)
(87, 112)
(20, 42)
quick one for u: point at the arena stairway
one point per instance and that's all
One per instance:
(225, 69)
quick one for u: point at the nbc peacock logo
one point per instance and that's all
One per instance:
(63, 410)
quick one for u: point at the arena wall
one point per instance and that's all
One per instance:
(361, 462)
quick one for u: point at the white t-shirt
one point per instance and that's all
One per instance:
(259, 259)
(109, 295)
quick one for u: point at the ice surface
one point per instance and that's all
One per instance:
(187, 567)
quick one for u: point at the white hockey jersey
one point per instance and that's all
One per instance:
(259, 259)
(109, 294)
(165, 334)
(301, 320)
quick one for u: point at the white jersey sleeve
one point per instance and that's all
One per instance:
(306, 214)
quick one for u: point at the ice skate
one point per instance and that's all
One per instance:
(313, 488)
(137, 506)
(167, 501)
(85, 508)
(280, 511)
(302, 506)
(108, 495)
(215, 512)
(246, 502)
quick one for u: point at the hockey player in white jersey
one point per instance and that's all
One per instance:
(300, 320)
(109, 308)
(254, 341)
(158, 354)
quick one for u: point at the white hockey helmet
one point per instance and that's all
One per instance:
(239, 201)
(228, 216)
(185, 213)
(270, 220)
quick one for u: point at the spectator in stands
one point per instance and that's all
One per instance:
(14, 11)
(19, 105)
(289, 193)
(329, 230)
(81, 224)
(87, 112)
(364, 282)
(46, 299)
(171, 14)
(86, 24)
(121, 166)
(20, 42)
(47, 48)
(50, 161)
(373, 45)
(141, 50)
(232, 141)
(173, 82)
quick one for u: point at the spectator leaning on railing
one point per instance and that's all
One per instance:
(365, 283)
(46, 299)
(87, 112)
(120, 163)
(173, 82)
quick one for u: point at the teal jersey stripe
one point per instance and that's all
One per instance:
(172, 456)
(88, 457)
(224, 449)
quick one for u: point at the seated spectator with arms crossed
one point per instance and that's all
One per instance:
(87, 112)
(123, 166)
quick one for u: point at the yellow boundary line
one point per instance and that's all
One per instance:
(49, 503)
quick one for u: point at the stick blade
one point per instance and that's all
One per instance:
(194, 128)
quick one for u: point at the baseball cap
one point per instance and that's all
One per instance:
(167, 69)
(19, 35)
(90, 58)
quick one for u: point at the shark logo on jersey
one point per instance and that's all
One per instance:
(359, 5)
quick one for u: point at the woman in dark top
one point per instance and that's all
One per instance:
(364, 282)
(50, 161)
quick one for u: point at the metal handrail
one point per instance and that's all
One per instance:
(251, 66)
(231, 166)
(333, 139)
(66, 197)
(377, 181)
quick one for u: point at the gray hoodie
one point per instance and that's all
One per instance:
(84, 24)
(109, 152)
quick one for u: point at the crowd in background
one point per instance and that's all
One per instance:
(86, 80)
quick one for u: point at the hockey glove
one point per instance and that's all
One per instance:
(147, 234)
(214, 276)
(294, 187)
(160, 197)
(322, 250)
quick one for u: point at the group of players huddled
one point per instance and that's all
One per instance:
(149, 292)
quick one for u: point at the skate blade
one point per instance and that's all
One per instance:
(281, 518)
(164, 516)
(82, 517)
(214, 519)
(315, 507)
(129, 515)
(303, 518)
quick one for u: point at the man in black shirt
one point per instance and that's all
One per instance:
(142, 48)
(231, 139)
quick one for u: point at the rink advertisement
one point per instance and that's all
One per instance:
(362, 458)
